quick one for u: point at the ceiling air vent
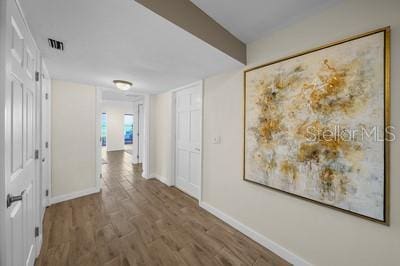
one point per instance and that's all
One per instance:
(56, 44)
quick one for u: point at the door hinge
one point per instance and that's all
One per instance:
(46, 96)
(37, 76)
(36, 154)
(137, 156)
(46, 144)
(47, 193)
(36, 231)
(101, 176)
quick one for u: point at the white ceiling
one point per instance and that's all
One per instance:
(120, 39)
(249, 20)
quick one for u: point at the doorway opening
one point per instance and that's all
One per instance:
(103, 137)
(128, 132)
(122, 128)
(104, 130)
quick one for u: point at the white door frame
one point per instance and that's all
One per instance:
(38, 178)
(98, 147)
(173, 134)
(43, 182)
(146, 137)
(137, 144)
(46, 183)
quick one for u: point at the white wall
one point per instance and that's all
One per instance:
(73, 129)
(318, 234)
(160, 137)
(115, 111)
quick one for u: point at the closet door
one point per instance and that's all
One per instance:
(20, 140)
(188, 140)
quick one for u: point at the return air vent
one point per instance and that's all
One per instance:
(56, 44)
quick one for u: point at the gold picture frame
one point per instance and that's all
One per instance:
(386, 112)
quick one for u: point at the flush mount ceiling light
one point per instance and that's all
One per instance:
(122, 84)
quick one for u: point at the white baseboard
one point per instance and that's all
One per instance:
(119, 149)
(162, 179)
(145, 176)
(74, 195)
(259, 238)
(135, 160)
(39, 241)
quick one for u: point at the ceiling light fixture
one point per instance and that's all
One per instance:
(122, 84)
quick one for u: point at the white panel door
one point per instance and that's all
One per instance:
(20, 140)
(188, 140)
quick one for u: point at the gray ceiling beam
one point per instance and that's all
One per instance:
(189, 17)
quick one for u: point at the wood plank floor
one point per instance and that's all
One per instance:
(134, 221)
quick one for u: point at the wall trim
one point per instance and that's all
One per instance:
(74, 195)
(162, 179)
(254, 235)
(39, 241)
(145, 176)
(98, 146)
(115, 149)
(187, 86)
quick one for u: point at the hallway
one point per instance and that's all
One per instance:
(134, 221)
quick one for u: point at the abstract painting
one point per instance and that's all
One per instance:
(317, 125)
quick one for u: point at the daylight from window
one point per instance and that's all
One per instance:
(103, 129)
(128, 129)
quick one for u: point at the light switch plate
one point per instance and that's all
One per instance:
(216, 140)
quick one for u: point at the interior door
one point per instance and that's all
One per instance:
(20, 141)
(188, 140)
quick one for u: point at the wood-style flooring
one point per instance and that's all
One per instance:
(134, 221)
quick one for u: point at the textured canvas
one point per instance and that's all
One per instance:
(314, 125)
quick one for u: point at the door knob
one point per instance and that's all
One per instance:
(11, 199)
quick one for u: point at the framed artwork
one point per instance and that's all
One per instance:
(317, 125)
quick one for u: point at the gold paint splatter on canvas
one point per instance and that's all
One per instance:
(338, 86)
